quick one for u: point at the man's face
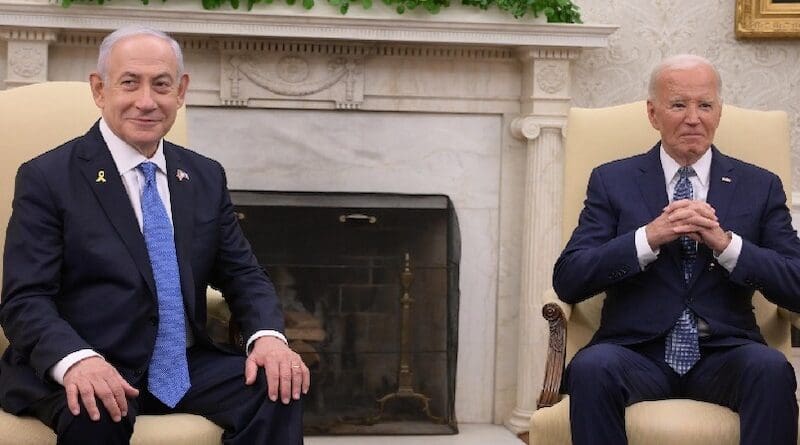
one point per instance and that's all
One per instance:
(141, 93)
(686, 111)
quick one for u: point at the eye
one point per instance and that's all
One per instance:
(677, 105)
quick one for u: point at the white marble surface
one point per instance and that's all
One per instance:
(469, 434)
(455, 155)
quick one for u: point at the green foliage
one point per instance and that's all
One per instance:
(556, 11)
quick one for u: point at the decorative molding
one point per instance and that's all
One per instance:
(298, 76)
(551, 78)
(528, 128)
(180, 18)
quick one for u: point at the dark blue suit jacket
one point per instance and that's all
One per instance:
(77, 274)
(643, 305)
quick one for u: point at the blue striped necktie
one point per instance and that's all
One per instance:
(168, 375)
(682, 346)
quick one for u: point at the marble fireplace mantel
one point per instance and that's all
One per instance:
(464, 67)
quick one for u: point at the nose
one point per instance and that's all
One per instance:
(145, 100)
(692, 115)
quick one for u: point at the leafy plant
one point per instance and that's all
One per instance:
(556, 11)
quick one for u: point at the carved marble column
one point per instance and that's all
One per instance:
(545, 102)
(27, 55)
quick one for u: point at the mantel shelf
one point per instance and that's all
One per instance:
(463, 26)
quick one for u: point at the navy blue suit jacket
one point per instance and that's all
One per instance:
(77, 274)
(642, 305)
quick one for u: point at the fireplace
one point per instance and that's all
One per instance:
(369, 286)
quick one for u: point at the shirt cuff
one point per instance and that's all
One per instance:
(730, 256)
(58, 370)
(264, 333)
(645, 254)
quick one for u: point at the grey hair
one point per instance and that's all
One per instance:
(129, 31)
(681, 61)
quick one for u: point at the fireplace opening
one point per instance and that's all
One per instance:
(369, 286)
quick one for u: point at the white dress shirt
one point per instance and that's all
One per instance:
(127, 159)
(700, 184)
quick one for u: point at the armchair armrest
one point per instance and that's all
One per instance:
(557, 314)
(793, 317)
(220, 326)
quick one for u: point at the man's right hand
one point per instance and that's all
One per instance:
(94, 377)
(683, 217)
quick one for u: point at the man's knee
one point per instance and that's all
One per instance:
(767, 367)
(595, 363)
(81, 429)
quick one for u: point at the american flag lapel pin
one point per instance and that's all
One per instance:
(181, 175)
(726, 179)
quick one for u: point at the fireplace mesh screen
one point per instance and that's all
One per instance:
(369, 286)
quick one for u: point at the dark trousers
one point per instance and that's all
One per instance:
(218, 393)
(752, 379)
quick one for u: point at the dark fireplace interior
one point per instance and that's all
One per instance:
(369, 285)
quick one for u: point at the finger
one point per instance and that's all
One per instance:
(250, 369)
(306, 379)
(130, 391)
(72, 399)
(285, 368)
(87, 397)
(273, 379)
(118, 391)
(105, 393)
(297, 379)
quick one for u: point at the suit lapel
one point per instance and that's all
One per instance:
(651, 182)
(182, 196)
(104, 179)
(654, 194)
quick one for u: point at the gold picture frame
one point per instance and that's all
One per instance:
(767, 19)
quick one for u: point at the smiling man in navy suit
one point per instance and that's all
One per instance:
(679, 238)
(113, 239)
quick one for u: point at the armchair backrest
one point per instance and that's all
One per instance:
(595, 136)
(38, 117)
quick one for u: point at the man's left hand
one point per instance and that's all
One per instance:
(286, 373)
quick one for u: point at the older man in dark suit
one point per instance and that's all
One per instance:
(113, 239)
(679, 238)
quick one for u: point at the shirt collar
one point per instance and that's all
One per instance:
(702, 167)
(126, 157)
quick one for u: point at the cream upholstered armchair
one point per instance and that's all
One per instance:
(595, 136)
(36, 118)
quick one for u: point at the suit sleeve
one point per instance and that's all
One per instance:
(32, 265)
(771, 264)
(244, 283)
(596, 256)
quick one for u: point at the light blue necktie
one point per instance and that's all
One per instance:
(168, 375)
(682, 346)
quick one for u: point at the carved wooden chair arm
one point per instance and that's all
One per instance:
(557, 314)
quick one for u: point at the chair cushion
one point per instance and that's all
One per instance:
(167, 429)
(668, 422)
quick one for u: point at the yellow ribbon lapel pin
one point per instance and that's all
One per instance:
(101, 176)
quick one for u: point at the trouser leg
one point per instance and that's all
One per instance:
(757, 382)
(80, 429)
(602, 380)
(245, 412)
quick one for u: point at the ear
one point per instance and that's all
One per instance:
(97, 85)
(183, 85)
(651, 114)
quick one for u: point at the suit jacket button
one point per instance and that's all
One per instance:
(153, 320)
(137, 372)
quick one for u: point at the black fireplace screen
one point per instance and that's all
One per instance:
(369, 285)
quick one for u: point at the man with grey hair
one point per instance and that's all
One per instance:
(679, 238)
(113, 240)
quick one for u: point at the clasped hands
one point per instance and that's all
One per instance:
(695, 219)
(94, 378)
